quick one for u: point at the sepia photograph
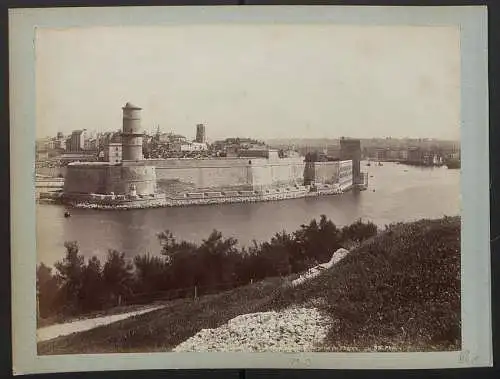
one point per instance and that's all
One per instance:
(251, 187)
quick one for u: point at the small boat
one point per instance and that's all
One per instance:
(67, 214)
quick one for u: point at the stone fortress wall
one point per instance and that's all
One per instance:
(103, 178)
(321, 172)
(219, 174)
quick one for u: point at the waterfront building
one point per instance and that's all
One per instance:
(415, 155)
(200, 133)
(403, 155)
(60, 142)
(380, 154)
(42, 155)
(77, 140)
(350, 149)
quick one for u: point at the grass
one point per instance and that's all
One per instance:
(399, 290)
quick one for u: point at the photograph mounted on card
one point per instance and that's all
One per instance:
(231, 187)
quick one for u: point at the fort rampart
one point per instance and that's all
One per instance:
(321, 172)
(212, 177)
(103, 178)
(227, 173)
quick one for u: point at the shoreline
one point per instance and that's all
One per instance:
(169, 202)
(173, 202)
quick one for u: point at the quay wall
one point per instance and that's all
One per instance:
(321, 172)
(345, 174)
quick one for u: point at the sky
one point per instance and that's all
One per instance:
(260, 81)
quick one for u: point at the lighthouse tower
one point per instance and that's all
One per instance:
(131, 134)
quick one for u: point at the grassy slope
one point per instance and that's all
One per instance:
(164, 329)
(401, 289)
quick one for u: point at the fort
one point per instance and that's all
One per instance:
(136, 182)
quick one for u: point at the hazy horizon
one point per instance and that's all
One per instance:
(259, 81)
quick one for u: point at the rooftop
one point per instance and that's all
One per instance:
(129, 105)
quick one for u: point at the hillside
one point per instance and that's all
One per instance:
(398, 291)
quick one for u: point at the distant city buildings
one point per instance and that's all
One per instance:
(85, 145)
(77, 141)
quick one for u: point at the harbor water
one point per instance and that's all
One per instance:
(395, 193)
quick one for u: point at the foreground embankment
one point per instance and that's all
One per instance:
(399, 291)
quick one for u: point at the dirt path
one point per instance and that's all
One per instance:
(57, 330)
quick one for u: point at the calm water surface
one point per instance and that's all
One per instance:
(393, 195)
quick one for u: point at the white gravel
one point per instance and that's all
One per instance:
(337, 256)
(292, 330)
(58, 330)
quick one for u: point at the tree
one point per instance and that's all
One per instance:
(91, 293)
(358, 231)
(117, 275)
(47, 289)
(217, 254)
(70, 274)
(316, 241)
(277, 254)
(152, 273)
(170, 247)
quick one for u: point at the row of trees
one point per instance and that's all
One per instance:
(77, 286)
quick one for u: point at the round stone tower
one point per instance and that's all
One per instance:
(131, 134)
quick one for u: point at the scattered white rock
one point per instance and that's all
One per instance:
(291, 330)
(316, 270)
